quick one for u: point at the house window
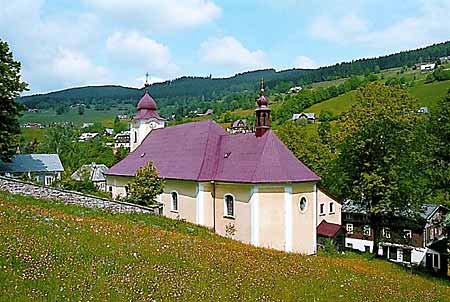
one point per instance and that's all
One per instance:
(302, 204)
(331, 207)
(110, 189)
(126, 191)
(366, 230)
(174, 201)
(322, 209)
(229, 205)
(350, 245)
(48, 180)
(367, 249)
(407, 256)
(436, 260)
(407, 234)
(349, 228)
(392, 253)
(386, 233)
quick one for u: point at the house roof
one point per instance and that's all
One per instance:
(94, 171)
(23, 163)
(308, 115)
(350, 206)
(327, 229)
(204, 151)
(237, 122)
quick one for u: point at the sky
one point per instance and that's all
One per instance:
(63, 43)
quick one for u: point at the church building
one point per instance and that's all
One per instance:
(246, 186)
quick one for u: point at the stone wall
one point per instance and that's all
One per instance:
(15, 186)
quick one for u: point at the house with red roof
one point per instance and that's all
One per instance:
(246, 186)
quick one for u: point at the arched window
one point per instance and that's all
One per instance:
(229, 205)
(302, 204)
(135, 136)
(174, 201)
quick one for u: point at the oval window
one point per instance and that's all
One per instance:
(302, 204)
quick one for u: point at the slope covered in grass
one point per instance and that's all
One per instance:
(56, 252)
(427, 94)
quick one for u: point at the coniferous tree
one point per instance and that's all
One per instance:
(10, 88)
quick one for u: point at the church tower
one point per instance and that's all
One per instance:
(262, 113)
(146, 119)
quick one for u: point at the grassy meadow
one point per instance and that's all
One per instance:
(427, 94)
(54, 252)
(104, 117)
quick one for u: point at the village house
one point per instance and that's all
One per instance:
(307, 116)
(247, 186)
(427, 67)
(93, 172)
(122, 140)
(41, 168)
(239, 126)
(87, 136)
(295, 89)
(418, 241)
(207, 112)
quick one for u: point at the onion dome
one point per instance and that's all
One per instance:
(147, 102)
(262, 101)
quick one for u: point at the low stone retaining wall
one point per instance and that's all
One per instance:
(15, 186)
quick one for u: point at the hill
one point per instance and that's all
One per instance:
(427, 94)
(55, 252)
(187, 89)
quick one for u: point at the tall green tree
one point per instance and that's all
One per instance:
(146, 185)
(440, 146)
(10, 88)
(382, 154)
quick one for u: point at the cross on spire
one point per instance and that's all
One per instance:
(146, 82)
(262, 87)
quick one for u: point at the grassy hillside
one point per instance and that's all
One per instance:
(55, 252)
(427, 94)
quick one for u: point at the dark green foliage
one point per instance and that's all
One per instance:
(146, 185)
(382, 153)
(81, 109)
(10, 88)
(440, 149)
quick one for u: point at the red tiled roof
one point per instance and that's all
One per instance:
(204, 151)
(327, 229)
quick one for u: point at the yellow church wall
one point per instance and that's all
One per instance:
(304, 226)
(271, 217)
(332, 217)
(187, 194)
(117, 184)
(241, 220)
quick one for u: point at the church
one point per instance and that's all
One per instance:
(245, 186)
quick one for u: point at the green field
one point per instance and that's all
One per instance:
(55, 252)
(106, 117)
(427, 94)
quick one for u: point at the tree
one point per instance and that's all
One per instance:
(440, 146)
(10, 88)
(146, 185)
(382, 154)
(81, 109)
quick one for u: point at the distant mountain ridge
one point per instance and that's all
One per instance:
(186, 89)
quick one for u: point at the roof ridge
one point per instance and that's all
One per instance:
(200, 172)
(260, 155)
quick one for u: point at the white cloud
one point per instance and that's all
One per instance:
(305, 62)
(139, 51)
(157, 14)
(428, 24)
(74, 68)
(230, 53)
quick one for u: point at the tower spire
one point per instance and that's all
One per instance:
(261, 89)
(146, 85)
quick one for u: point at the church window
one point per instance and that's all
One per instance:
(135, 136)
(174, 201)
(302, 204)
(229, 205)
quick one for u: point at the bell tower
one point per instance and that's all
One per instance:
(146, 119)
(262, 113)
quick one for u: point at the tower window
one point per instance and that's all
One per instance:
(135, 137)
